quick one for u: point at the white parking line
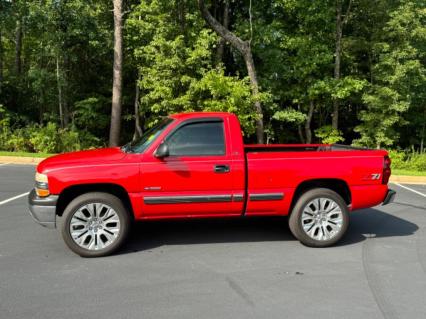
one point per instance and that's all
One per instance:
(13, 198)
(4, 164)
(410, 189)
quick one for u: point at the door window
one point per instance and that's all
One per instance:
(198, 139)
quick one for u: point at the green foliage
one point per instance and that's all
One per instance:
(398, 159)
(219, 93)
(399, 76)
(92, 115)
(384, 109)
(177, 66)
(45, 139)
(171, 53)
(347, 86)
(289, 115)
(418, 162)
(408, 160)
(328, 135)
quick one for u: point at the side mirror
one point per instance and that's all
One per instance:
(162, 151)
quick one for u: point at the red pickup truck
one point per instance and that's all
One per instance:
(195, 165)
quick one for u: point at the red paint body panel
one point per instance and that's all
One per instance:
(283, 172)
(254, 170)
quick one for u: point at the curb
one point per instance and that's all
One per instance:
(20, 160)
(35, 160)
(408, 179)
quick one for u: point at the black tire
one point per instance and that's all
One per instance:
(95, 197)
(295, 220)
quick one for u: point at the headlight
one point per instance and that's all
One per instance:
(41, 185)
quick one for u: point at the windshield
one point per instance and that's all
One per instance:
(142, 143)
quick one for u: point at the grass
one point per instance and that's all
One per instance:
(407, 172)
(24, 154)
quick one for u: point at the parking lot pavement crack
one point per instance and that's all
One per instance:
(239, 291)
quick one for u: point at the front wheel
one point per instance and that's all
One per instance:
(95, 224)
(320, 218)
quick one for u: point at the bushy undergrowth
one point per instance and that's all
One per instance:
(408, 160)
(48, 138)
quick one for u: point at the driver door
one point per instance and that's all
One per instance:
(196, 178)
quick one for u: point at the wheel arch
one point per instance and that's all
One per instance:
(71, 192)
(337, 185)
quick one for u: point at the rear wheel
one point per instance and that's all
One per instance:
(320, 218)
(95, 224)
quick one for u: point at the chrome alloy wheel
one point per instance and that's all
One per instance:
(322, 219)
(94, 226)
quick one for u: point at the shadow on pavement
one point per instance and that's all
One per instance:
(375, 223)
(152, 234)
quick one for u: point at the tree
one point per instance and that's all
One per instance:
(138, 126)
(308, 64)
(18, 46)
(398, 78)
(341, 20)
(117, 82)
(1, 58)
(222, 41)
(245, 50)
(178, 65)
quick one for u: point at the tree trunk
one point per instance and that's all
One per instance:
(65, 90)
(422, 140)
(337, 59)
(1, 58)
(341, 20)
(221, 45)
(117, 83)
(138, 128)
(300, 132)
(299, 129)
(308, 132)
(60, 102)
(181, 9)
(248, 58)
(244, 48)
(18, 46)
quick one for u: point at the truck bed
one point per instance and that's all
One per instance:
(279, 169)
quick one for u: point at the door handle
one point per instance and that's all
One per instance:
(221, 169)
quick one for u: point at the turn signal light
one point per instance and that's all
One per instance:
(42, 192)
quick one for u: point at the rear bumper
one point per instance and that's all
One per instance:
(43, 209)
(390, 195)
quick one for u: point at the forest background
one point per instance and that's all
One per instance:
(76, 74)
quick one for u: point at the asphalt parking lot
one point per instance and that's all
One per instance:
(245, 268)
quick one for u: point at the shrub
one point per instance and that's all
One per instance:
(47, 138)
(418, 162)
(398, 159)
(408, 161)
